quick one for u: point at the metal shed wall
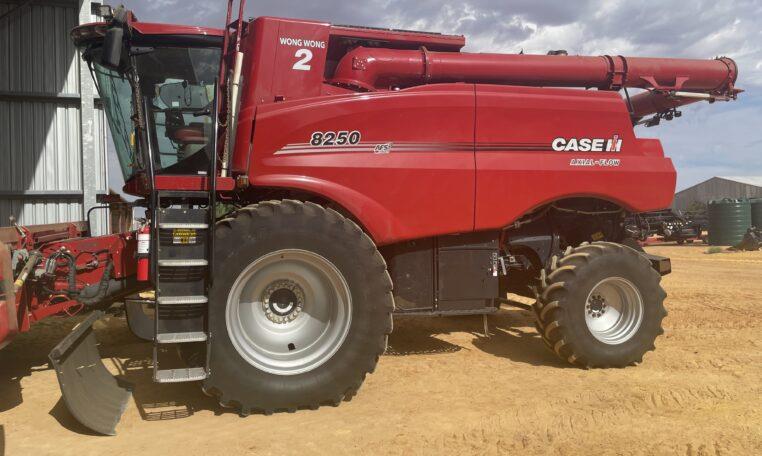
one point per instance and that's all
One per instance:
(715, 188)
(52, 137)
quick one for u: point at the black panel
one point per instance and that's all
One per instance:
(182, 215)
(182, 244)
(182, 281)
(466, 266)
(447, 274)
(411, 266)
(182, 318)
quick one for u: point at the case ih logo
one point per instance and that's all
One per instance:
(613, 144)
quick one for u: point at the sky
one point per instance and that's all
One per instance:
(722, 139)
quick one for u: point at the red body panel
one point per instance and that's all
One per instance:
(149, 28)
(422, 186)
(517, 170)
(444, 156)
(461, 157)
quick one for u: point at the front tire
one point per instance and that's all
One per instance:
(601, 305)
(300, 309)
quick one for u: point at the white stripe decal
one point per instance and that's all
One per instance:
(366, 147)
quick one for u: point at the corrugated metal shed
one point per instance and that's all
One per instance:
(52, 136)
(718, 188)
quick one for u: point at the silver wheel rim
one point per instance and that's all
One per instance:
(614, 310)
(289, 312)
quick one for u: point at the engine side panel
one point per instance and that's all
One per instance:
(413, 169)
(538, 145)
(401, 162)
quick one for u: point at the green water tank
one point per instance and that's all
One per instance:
(728, 220)
(756, 212)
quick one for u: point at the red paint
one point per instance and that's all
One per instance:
(399, 195)
(401, 38)
(91, 254)
(8, 326)
(8, 319)
(138, 183)
(373, 69)
(462, 154)
(190, 183)
(148, 28)
(492, 160)
(509, 184)
(143, 253)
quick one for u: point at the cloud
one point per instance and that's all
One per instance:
(706, 141)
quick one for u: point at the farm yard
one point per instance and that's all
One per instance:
(443, 387)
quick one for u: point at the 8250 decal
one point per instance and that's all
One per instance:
(332, 138)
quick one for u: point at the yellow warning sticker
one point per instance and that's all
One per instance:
(183, 236)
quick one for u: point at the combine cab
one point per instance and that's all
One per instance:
(305, 182)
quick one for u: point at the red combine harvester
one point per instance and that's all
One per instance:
(368, 173)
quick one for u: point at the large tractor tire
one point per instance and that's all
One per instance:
(300, 309)
(601, 305)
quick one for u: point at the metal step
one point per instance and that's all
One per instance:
(183, 226)
(181, 300)
(180, 338)
(193, 194)
(191, 374)
(182, 263)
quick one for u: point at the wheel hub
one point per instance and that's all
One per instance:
(283, 301)
(288, 312)
(596, 306)
(614, 310)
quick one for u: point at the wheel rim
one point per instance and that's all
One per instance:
(614, 310)
(288, 312)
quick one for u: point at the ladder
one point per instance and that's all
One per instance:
(182, 249)
(182, 236)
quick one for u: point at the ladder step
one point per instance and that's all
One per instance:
(180, 338)
(180, 300)
(185, 226)
(182, 263)
(191, 374)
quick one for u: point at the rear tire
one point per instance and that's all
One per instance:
(601, 305)
(300, 309)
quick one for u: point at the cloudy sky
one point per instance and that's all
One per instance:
(721, 139)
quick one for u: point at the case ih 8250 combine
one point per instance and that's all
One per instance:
(373, 173)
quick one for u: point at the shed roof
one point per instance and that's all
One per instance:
(748, 180)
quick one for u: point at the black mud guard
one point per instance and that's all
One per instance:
(94, 397)
(662, 265)
(141, 324)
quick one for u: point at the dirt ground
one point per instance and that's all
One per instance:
(445, 388)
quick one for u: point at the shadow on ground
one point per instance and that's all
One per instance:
(510, 337)
(28, 353)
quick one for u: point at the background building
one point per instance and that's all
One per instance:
(718, 188)
(52, 131)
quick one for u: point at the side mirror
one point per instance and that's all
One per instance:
(112, 47)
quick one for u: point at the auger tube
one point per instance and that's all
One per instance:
(378, 69)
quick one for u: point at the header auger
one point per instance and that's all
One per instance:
(306, 182)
